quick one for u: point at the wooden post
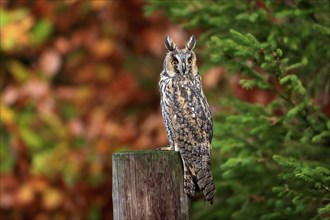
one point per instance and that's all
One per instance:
(148, 185)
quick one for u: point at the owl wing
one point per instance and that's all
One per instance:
(192, 122)
(191, 113)
(188, 125)
(185, 111)
(209, 121)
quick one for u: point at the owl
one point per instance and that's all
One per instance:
(187, 117)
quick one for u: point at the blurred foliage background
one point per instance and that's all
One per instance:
(79, 80)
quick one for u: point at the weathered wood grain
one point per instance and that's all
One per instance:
(148, 185)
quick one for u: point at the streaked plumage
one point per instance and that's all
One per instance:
(187, 117)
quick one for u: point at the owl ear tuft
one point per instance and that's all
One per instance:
(169, 44)
(191, 43)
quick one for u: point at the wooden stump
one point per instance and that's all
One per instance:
(148, 185)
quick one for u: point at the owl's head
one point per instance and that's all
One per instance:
(180, 61)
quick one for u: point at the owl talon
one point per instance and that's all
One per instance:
(167, 148)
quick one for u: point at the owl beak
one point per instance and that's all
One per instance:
(184, 68)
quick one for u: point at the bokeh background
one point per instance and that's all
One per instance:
(79, 81)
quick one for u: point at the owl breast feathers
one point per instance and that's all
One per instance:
(187, 117)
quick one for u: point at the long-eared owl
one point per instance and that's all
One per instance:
(187, 117)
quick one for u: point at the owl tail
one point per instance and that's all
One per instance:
(205, 183)
(197, 166)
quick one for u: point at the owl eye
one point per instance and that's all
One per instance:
(174, 62)
(189, 60)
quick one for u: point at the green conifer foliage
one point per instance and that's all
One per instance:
(269, 162)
